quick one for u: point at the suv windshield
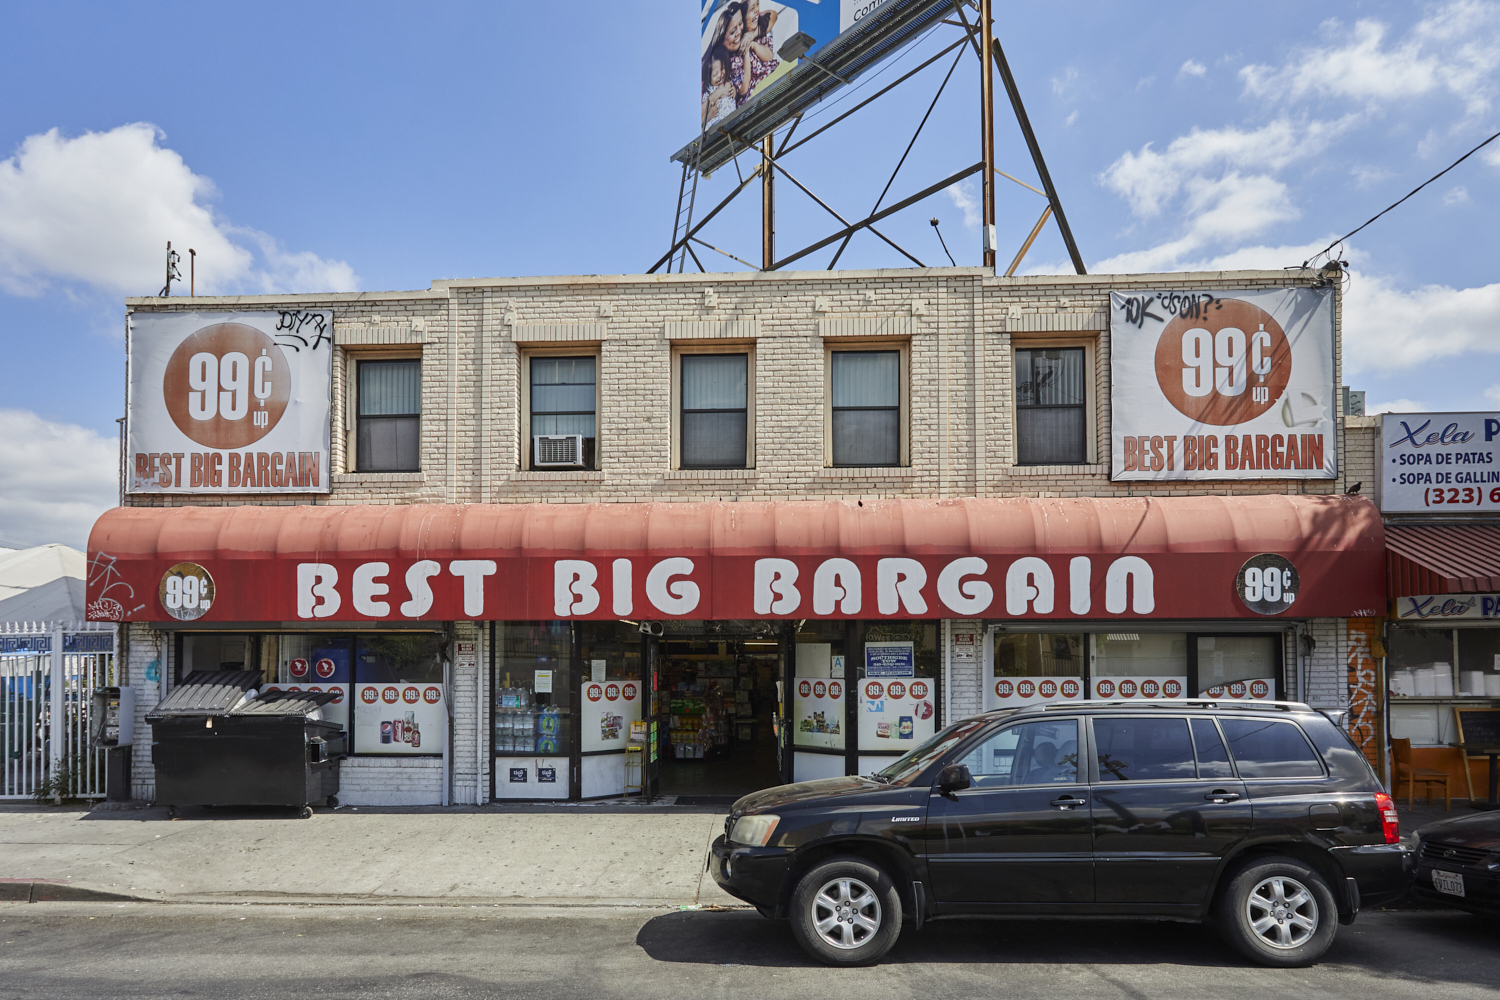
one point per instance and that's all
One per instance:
(914, 763)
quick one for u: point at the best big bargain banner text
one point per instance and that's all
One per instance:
(1223, 385)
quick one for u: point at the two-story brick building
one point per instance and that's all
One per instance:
(790, 522)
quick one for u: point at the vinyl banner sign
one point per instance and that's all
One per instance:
(1223, 385)
(747, 45)
(1061, 586)
(229, 402)
(1443, 462)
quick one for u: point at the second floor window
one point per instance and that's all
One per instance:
(388, 431)
(1051, 422)
(563, 400)
(715, 411)
(866, 400)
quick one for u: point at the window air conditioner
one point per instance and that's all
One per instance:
(557, 451)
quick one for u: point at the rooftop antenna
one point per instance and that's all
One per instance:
(172, 272)
(944, 242)
(192, 272)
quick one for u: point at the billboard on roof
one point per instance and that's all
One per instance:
(747, 45)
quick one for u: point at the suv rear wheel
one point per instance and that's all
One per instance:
(846, 911)
(1279, 912)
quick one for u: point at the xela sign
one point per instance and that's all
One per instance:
(230, 402)
(1223, 385)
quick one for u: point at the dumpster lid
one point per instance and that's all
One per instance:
(296, 703)
(208, 692)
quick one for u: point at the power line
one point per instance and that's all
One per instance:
(1412, 192)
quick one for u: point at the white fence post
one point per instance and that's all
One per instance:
(57, 723)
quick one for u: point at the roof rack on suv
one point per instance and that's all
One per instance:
(1285, 706)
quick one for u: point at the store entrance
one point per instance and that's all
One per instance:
(719, 696)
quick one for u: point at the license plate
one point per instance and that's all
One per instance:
(1448, 882)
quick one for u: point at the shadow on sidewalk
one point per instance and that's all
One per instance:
(1453, 946)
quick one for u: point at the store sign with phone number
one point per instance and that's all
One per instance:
(1441, 462)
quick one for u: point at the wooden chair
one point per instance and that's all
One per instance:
(1428, 776)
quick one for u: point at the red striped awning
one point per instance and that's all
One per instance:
(1442, 559)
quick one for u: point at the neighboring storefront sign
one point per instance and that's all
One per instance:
(608, 709)
(1440, 462)
(1447, 607)
(400, 719)
(1223, 385)
(220, 403)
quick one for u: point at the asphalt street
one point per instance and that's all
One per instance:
(88, 950)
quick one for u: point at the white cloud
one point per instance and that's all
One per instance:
(55, 479)
(1071, 118)
(1397, 406)
(1149, 179)
(1063, 83)
(99, 208)
(1192, 68)
(1255, 258)
(1455, 48)
(1388, 329)
(1456, 196)
(1493, 394)
(962, 196)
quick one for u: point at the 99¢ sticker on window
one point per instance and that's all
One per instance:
(1223, 385)
(230, 402)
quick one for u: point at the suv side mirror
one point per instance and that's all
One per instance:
(954, 778)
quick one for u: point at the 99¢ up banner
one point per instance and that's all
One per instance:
(1223, 385)
(226, 402)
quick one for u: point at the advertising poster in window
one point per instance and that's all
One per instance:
(897, 709)
(1223, 385)
(609, 707)
(229, 402)
(1443, 463)
(818, 711)
(400, 719)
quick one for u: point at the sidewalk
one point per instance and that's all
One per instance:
(586, 856)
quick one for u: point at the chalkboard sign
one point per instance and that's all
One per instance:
(1478, 726)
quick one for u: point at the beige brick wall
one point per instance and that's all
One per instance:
(962, 327)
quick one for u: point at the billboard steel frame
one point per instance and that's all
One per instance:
(836, 65)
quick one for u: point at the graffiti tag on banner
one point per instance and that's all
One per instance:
(1222, 385)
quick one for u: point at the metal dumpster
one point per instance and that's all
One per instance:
(218, 741)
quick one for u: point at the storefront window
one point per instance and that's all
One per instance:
(1237, 666)
(612, 689)
(399, 703)
(897, 683)
(1431, 671)
(1029, 667)
(819, 687)
(1145, 664)
(533, 687)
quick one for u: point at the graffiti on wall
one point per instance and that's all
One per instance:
(1365, 690)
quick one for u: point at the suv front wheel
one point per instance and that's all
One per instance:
(1278, 911)
(846, 911)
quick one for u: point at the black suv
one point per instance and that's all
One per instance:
(1263, 817)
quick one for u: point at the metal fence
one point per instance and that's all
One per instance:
(48, 673)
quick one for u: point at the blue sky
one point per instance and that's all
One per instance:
(306, 147)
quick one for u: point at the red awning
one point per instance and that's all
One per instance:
(1189, 548)
(1442, 559)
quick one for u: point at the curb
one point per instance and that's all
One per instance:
(14, 890)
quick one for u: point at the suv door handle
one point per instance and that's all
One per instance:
(1068, 802)
(1221, 795)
